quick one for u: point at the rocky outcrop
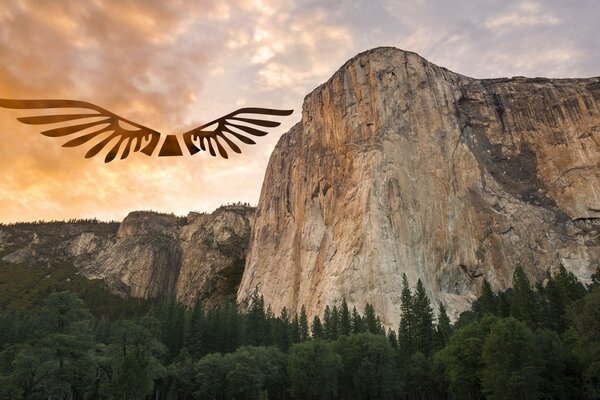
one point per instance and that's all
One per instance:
(147, 255)
(401, 166)
(45, 243)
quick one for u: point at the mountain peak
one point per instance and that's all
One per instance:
(401, 166)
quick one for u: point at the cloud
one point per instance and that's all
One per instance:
(526, 14)
(172, 65)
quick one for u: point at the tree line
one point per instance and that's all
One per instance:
(528, 342)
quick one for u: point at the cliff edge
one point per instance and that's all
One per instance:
(401, 166)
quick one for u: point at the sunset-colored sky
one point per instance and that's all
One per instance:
(172, 65)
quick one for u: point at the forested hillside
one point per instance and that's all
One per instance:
(528, 343)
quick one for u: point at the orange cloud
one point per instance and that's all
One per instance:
(145, 60)
(172, 65)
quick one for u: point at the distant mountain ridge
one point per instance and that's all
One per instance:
(147, 255)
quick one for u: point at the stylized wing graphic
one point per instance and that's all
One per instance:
(98, 123)
(120, 133)
(237, 125)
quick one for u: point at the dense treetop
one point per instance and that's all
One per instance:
(527, 342)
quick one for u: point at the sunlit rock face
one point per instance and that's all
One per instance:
(147, 255)
(401, 166)
(157, 255)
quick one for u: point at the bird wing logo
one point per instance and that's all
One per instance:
(104, 129)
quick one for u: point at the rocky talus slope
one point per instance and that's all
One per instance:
(401, 166)
(147, 255)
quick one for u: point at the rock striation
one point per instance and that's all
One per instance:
(147, 255)
(401, 166)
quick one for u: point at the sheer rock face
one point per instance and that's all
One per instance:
(147, 255)
(401, 166)
(162, 255)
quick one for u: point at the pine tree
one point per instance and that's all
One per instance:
(231, 326)
(393, 339)
(524, 305)
(296, 336)
(488, 300)
(572, 286)
(423, 319)
(193, 337)
(443, 329)
(175, 329)
(406, 331)
(357, 322)
(327, 323)
(303, 325)
(560, 292)
(282, 332)
(335, 323)
(345, 319)
(372, 324)
(504, 303)
(256, 320)
(317, 328)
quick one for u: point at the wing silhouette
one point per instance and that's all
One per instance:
(98, 123)
(116, 133)
(236, 125)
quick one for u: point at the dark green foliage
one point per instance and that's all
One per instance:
(369, 369)
(211, 377)
(257, 327)
(317, 328)
(335, 323)
(559, 373)
(423, 320)
(560, 292)
(255, 370)
(443, 329)
(372, 323)
(172, 317)
(136, 352)
(181, 377)
(303, 326)
(407, 324)
(416, 332)
(488, 302)
(510, 364)
(524, 303)
(584, 334)
(393, 339)
(194, 330)
(358, 325)
(59, 350)
(295, 328)
(504, 302)
(419, 377)
(345, 319)
(24, 289)
(313, 369)
(462, 358)
(282, 333)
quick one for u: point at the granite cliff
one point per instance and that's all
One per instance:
(146, 255)
(401, 166)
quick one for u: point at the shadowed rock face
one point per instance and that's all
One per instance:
(147, 255)
(401, 166)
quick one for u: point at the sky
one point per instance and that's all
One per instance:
(173, 65)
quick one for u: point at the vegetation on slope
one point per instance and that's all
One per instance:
(527, 343)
